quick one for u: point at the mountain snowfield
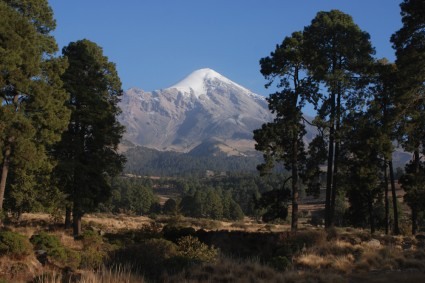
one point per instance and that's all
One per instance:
(205, 112)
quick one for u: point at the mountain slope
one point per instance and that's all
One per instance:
(204, 107)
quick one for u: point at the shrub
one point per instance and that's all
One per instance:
(55, 250)
(280, 263)
(292, 243)
(93, 255)
(152, 257)
(50, 244)
(14, 245)
(191, 248)
(174, 233)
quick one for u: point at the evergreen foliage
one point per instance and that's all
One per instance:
(282, 139)
(87, 153)
(130, 196)
(14, 245)
(338, 54)
(149, 162)
(409, 43)
(32, 110)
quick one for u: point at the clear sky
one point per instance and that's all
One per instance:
(156, 43)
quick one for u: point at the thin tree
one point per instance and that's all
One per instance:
(87, 154)
(409, 43)
(282, 139)
(32, 110)
(382, 109)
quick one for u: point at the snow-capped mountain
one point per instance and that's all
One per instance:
(205, 111)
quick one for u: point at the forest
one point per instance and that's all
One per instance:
(73, 208)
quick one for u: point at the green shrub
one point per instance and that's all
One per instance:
(51, 244)
(14, 245)
(191, 248)
(56, 252)
(73, 258)
(93, 255)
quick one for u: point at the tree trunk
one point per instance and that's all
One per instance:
(329, 177)
(414, 220)
(294, 222)
(387, 205)
(371, 215)
(396, 229)
(336, 158)
(68, 212)
(4, 173)
(76, 218)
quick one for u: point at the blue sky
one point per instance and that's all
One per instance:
(156, 43)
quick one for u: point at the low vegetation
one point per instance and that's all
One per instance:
(176, 251)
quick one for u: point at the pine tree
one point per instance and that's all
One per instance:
(362, 163)
(87, 154)
(382, 110)
(337, 53)
(409, 43)
(32, 110)
(282, 139)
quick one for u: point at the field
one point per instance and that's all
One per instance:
(122, 248)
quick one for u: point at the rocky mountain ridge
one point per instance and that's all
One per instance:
(205, 108)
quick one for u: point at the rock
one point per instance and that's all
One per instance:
(41, 256)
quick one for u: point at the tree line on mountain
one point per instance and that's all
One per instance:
(363, 105)
(144, 161)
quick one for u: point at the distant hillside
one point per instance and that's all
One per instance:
(150, 162)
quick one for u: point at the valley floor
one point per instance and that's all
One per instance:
(247, 252)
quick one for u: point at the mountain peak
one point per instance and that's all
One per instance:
(197, 81)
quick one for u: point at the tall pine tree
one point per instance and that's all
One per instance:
(282, 139)
(337, 53)
(88, 151)
(32, 110)
(409, 43)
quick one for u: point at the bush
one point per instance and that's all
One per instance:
(50, 244)
(191, 248)
(152, 257)
(280, 263)
(292, 243)
(93, 255)
(14, 245)
(174, 233)
(54, 249)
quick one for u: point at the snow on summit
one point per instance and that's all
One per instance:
(198, 81)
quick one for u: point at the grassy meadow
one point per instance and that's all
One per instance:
(123, 248)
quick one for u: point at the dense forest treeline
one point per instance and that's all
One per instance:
(221, 197)
(143, 161)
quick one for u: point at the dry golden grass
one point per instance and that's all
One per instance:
(347, 255)
(13, 270)
(103, 275)
(231, 270)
